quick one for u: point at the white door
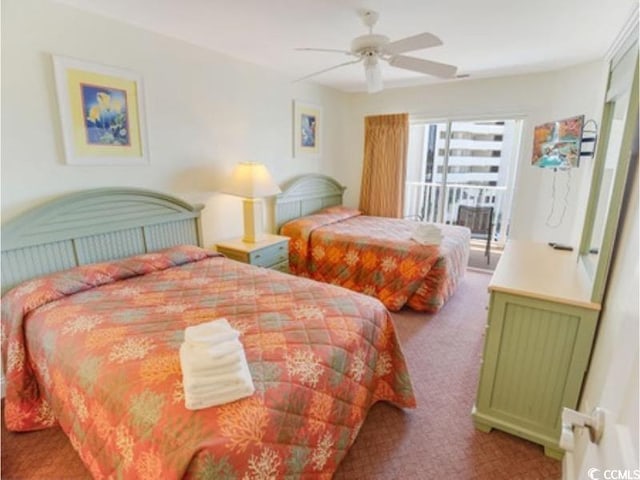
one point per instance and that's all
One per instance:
(612, 381)
(616, 455)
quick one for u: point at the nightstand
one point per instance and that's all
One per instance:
(271, 252)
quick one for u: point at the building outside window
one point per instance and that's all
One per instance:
(455, 163)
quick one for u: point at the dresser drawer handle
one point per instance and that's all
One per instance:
(281, 247)
(258, 255)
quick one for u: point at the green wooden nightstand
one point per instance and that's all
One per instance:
(271, 252)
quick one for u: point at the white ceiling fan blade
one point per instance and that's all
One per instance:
(331, 50)
(420, 65)
(409, 44)
(328, 69)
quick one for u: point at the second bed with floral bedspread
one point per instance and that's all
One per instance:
(377, 256)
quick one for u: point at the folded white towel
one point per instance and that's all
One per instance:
(216, 390)
(214, 367)
(203, 355)
(428, 241)
(427, 234)
(215, 331)
(211, 354)
(199, 382)
(227, 395)
(198, 361)
(424, 228)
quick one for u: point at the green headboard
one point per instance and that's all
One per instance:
(305, 195)
(94, 226)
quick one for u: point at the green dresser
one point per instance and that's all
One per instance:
(539, 334)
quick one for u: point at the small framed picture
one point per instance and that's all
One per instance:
(102, 113)
(307, 129)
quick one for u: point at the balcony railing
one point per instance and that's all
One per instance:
(423, 200)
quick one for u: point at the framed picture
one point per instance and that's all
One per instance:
(307, 129)
(102, 113)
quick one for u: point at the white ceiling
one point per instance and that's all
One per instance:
(484, 38)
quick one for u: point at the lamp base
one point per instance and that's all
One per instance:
(253, 220)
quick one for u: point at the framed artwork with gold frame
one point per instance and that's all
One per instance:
(307, 129)
(102, 113)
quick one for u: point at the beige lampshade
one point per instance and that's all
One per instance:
(251, 180)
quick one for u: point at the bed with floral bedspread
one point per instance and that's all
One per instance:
(95, 350)
(377, 256)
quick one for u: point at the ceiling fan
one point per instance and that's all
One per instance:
(372, 48)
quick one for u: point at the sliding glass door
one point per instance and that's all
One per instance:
(455, 163)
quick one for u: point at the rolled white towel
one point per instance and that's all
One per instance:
(215, 331)
(220, 397)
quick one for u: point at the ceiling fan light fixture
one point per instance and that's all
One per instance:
(373, 48)
(373, 74)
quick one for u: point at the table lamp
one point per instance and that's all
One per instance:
(252, 182)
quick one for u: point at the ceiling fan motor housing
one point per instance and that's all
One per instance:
(367, 43)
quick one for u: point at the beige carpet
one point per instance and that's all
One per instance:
(435, 441)
(478, 260)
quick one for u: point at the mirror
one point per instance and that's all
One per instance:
(614, 142)
(619, 123)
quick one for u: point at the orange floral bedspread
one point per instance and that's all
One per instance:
(95, 349)
(376, 256)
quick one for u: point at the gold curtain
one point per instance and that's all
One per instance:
(386, 140)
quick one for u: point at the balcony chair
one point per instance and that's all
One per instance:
(480, 221)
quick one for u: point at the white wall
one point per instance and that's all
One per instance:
(537, 98)
(204, 112)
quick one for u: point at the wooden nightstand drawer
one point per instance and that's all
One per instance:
(282, 267)
(234, 254)
(270, 256)
(270, 252)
